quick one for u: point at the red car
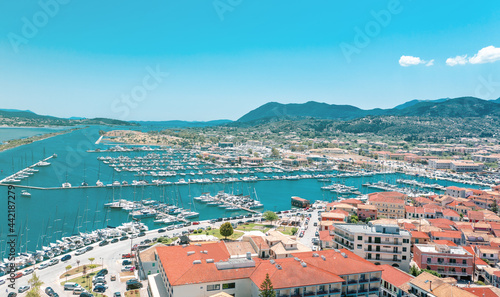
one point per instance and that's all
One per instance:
(196, 223)
(124, 256)
(18, 275)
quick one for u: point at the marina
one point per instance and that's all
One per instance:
(173, 177)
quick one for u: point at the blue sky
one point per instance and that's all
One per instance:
(226, 57)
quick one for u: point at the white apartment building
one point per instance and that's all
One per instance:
(379, 244)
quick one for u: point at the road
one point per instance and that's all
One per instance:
(109, 256)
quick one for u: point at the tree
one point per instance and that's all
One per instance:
(494, 206)
(226, 229)
(270, 216)
(78, 263)
(414, 270)
(91, 260)
(354, 219)
(67, 268)
(266, 288)
(294, 230)
(275, 153)
(35, 284)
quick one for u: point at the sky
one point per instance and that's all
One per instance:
(218, 59)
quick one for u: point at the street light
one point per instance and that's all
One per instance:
(102, 262)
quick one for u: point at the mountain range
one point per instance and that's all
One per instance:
(462, 107)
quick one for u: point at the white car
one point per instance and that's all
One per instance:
(127, 268)
(80, 252)
(98, 279)
(2, 281)
(43, 266)
(28, 271)
(133, 236)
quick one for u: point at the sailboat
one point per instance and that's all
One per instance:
(84, 183)
(66, 184)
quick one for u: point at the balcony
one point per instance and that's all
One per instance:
(334, 291)
(344, 236)
(382, 252)
(310, 293)
(362, 281)
(352, 281)
(448, 264)
(374, 279)
(391, 243)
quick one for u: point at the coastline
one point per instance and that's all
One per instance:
(23, 141)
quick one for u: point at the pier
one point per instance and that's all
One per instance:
(24, 173)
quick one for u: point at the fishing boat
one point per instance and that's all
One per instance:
(25, 193)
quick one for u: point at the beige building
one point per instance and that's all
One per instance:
(389, 205)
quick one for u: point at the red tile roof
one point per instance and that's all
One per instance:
(447, 234)
(418, 234)
(395, 276)
(444, 242)
(481, 292)
(387, 197)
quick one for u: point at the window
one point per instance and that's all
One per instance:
(228, 286)
(213, 287)
(360, 237)
(360, 246)
(377, 239)
(404, 249)
(405, 240)
(404, 257)
(464, 261)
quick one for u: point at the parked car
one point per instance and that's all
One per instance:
(103, 243)
(86, 294)
(80, 251)
(43, 266)
(128, 268)
(28, 271)
(78, 291)
(112, 277)
(49, 291)
(53, 262)
(100, 289)
(89, 248)
(2, 281)
(170, 228)
(98, 279)
(161, 230)
(196, 223)
(117, 294)
(125, 256)
(12, 294)
(102, 272)
(141, 234)
(23, 289)
(18, 275)
(115, 240)
(66, 258)
(133, 284)
(123, 238)
(126, 262)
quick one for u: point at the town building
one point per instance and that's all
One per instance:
(449, 261)
(379, 244)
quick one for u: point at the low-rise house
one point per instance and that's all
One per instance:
(367, 211)
(394, 282)
(449, 261)
(427, 284)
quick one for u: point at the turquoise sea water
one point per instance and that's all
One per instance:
(7, 133)
(50, 214)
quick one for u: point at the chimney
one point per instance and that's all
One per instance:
(249, 256)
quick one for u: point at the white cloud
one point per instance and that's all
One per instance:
(430, 63)
(487, 54)
(406, 61)
(458, 60)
